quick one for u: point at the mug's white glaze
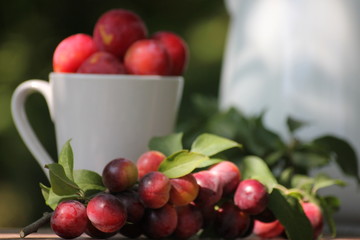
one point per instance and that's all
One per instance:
(105, 116)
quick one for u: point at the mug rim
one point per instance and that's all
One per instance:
(115, 76)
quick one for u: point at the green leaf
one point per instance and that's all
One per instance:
(226, 124)
(209, 162)
(345, 154)
(88, 181)
(45, 191)
(205, 106)
(54, 199)
(257, 138)
(295, 193)
(60, 183)
(329, 205)
(274, 157)
(289, 212)
(167, 144)
(302, 182)
(255, 168)
(332, 202)
(210, 144)
(294, 124)
(286, 176)
(323, 181)
(307, 159)
(181, 163)
(66, 159)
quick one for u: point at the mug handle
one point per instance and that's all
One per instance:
(22, 123)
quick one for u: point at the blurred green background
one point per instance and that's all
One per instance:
(29, 33)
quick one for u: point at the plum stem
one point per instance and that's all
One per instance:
(34, 227)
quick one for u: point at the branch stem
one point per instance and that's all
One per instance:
(34, 227)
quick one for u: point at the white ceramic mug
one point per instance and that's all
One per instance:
(105, 116)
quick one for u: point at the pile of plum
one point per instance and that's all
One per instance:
(120, 45)
(140, 200)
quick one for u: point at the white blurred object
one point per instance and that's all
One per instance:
(298, 58)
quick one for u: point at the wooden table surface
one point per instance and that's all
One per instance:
(46, 234)
(43, 236)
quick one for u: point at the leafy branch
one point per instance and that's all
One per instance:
(283, 166)
(259, 140)
(67, 183)
(181, 161)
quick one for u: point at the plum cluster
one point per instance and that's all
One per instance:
(120, 45)
(140, 200)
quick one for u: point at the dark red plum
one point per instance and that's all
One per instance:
(69, 219)
(117, 29)
(149, 162)
(134, 208)
(251, 196)
(147, 57)
(177, 50)
(314, 214)
(190, 221)
(72, 52)
(102, 63)
(268, 230)
(265, 216)
(231, 222)
(106, 212)
(208, 212)
(210, 190)
(159, 223)
(229, 175)
(154, 190)
(250, 229)
(184, 190)
(131, 230)
(93, 232)
(119, 175)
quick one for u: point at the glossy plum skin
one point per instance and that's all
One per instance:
(154, 190)
(268, 230)
(119, 175)
(265, 216)
(131, 230)
(231, 222)
(149, 162)
(69, 219)
(147, 57)
(208, 212)
(190, 221)
(106, 212)
(210, 190)
(177, 50)
(134, 208)
(72, 51)
(102, 63)
(229, 174)
(184, 190)
(251, 196)
(159, 223)
(116, 30)
(314, 214)
(93, 232)
(249, 231)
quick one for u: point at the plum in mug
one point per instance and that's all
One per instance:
(106, 116)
